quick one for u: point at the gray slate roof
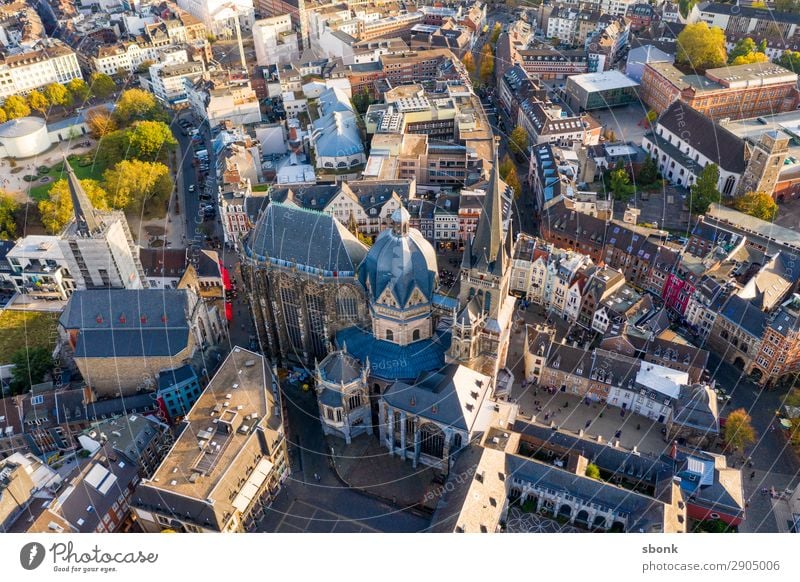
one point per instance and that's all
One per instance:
(287, 234)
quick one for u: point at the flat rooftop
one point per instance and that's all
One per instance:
(602, 81)
(236, 401)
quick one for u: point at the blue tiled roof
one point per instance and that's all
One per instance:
(391, 361)
(445, 302)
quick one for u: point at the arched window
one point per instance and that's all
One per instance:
(389, 335)
(728, 185)
(347, 304)
(487, 301)
(431, 440)
(457, 441)
(354, 401)
(415, 335)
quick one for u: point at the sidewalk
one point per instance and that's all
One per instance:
(368, 467)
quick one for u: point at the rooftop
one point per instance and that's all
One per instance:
(237, 401)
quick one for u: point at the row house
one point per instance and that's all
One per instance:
(516, 86)
(546, 123)
(779, 352)
(602, 284)
(617, 308)
(737, 332)
(550, 64)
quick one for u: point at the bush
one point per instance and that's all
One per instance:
(85, 162)
(42, 169)
(72, 157)
(30, 178)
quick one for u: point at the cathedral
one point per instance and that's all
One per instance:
(390, 355)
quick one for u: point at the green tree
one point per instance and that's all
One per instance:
(789, 60)
(16, 107)
(701, 47)
(38, 102)
(518, 141)
(742, 48)
(113, 148)
(79, 90)
(620, 183)
(592, 471)
(469, 63)
(136, 104)
(704, 191)
(101, 85)
(648, 172)
(758, 204)
(8, 224)
(57, 94)
(487, 63)
(739, 431)
(150, 140)
(56, 209)
(361, 101)
(31, 365)
(133, 184)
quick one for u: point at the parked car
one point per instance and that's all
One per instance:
(191, 188)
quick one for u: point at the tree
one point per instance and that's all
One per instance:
(789, 60)
(38, 102)
(701, 47)
(648, 172)
(144, 67)
(3, 116)
(132, 184)
(31, 365)
(469, 63)
(496, 31)
(113, 148)
(758, 204)
(651, 117)
(56, 209)
(361, 101)
(750, 59)
(592, 471)
(101, 85)
(79, 90)
(739, 431)
(704, 191)
(620, 183)
(150, 139)
(15, 107)
(508, 173)
(100, 121)
(487, 63)
(518, 141)
(742, 48)
(8, 224)
(57, 94)
(135, 104)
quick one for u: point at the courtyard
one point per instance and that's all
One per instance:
(31, 329)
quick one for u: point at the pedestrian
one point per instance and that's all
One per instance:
(753, 474)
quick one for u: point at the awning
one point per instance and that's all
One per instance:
(226, 278)
(253, 484)
(228, 311)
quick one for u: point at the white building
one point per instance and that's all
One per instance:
(219, 16)
(168, 82)
(652, 393)
(216, 97)
(125, 56)
(51, 63)
(275, 40)
(39, 268)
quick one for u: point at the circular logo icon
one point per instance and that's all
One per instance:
(31, 555)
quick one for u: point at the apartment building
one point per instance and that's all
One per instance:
(51, 62)
(228, 464)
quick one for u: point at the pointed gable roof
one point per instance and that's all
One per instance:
(85, 217)
(487, 250)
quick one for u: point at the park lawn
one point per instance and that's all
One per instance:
(36, 329)
(93, 172)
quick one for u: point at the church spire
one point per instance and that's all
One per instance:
(487, 250)
(84, 211)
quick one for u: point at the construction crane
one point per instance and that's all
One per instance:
(235, 9)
